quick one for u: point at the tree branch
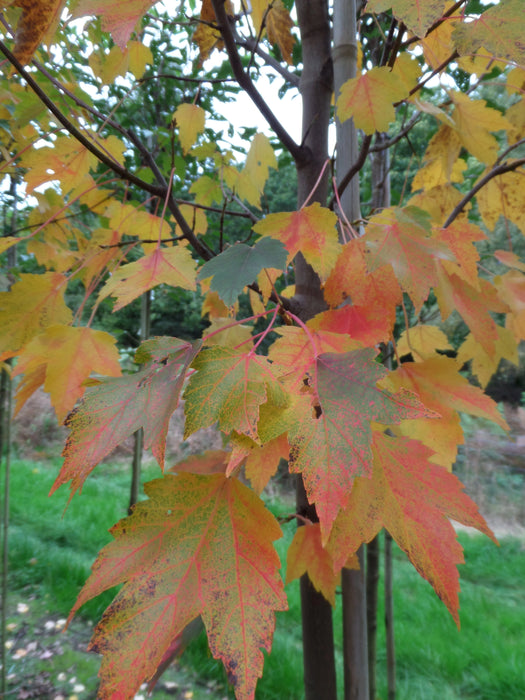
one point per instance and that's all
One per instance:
(252, 45)
(356, 167)
(498, 170)
(299, 153)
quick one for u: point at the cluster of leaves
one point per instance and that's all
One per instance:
(373, 446)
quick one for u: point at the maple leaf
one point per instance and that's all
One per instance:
(239, 265)
(32, 304)
(252, 178)
(333, 446)
(499, 30)
(173, 266)
(278, 25)
(422, 342)
(369, 99)
(228, 387)
(262, 462)
(37, 23)
(460, 237)
(413, 499)
(206, 36)
(209, 462)
(401, 238)
(200, 545)
(306, 554)
(474, 121)
(367, 325)
(190, 121)
(418, 15)
(67, 161)
(310, 230)
(114, 409)
(7, 241)
(502, 196)
(483, 364)
(68, 355)
(120, 18)
(442, 163)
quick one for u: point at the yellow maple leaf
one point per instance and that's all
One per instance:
(418, 16)
(442, 164)
(439, 202)
(422, 342)
(228, 335)
(485, 364)
(206, 36)
(173, 266)
(252, 178)
(474, 122)
(32, 304)
(190, 121)
(63, 357)
(502, 196)
(408, 69)
(438, 45)
(369, 99)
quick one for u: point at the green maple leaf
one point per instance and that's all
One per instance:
(201, 545)
(239, 265)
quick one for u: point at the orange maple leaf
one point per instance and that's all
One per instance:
(413, 499)
(68, 355)
(37, 23)
(306, 554)
(310, 230)
(198, 545)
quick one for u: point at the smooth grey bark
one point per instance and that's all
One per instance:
(316, 91)
(355, 638)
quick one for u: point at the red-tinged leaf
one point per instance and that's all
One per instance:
(306, 554)
(333, 446)
(418, 15)
(262, 462)
(509, 259)
(29, 307)
(120, 18)
(198, 545)
(368, 325)
(68, 355)
(369, 99)
(294, 353)
(460, 238)
(499, 30)
(310, 231)
(441, 387)
(38, 21)
(114, 409)
(209, 462)
(228, 387)
(454, 294)
(176, 648)
(401, 238)
(413, 499)
(173, 266)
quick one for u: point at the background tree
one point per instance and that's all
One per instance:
(136, 188)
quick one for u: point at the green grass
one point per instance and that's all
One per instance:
(50, 558)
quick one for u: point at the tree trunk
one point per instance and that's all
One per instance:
(372, 581)
(316, 92)
(355, 645)
(389, 620)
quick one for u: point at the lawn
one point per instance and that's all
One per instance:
(50, 557)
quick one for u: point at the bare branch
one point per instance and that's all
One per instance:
(356, 167)
(252, 45)
(497, 170)
(298, 152)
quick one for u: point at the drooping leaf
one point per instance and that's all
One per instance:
(118, 18)
(239, 266)
(418, 15)
(485, 365)
(228, 387)
(401, 238)
(475, 123)
(32, 304)
(413, 499)
(306, 554)
(38, 22)
(68, 355)
(310, 231)
(174, 266)
(198, 545)
(369, 99)
(498, 29)
(114, 409)
(278, 25)
(190, 121)
(252, 178)
(330, 443)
